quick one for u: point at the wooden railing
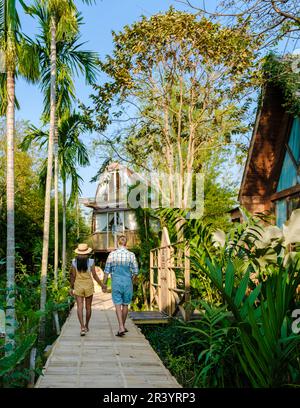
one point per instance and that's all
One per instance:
(105, 241)
(170, 279)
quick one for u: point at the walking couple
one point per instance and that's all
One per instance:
(121, 264)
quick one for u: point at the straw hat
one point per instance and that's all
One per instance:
(83, 249)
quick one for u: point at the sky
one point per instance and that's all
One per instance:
(100, 19)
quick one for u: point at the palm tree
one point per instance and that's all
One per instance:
(62, 24)
(71, 154)
(20, 58)
(71, 61)
(58, 16)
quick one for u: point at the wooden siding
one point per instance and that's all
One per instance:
(266, 153)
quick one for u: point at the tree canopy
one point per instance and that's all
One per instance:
(178, 81)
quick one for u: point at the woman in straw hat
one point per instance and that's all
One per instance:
(82, 284)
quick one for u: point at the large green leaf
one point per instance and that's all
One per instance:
(8, 363)
(242, 289)
(229, 278)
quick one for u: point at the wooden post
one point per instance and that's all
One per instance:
(172, 283)
(151, 280)
(187, 282)
(163, 271)
(56, 321)
(168, 282)
(163, 281)
(159, 278)
(32, 368)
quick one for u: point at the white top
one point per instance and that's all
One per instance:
(90, 263)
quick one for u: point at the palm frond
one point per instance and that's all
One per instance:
(33, 134)
(80, 61)
(28, 60)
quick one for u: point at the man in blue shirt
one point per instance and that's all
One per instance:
(122, 265)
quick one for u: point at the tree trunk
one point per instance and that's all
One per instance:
(49, 179)
(78, 218)
(56, 228)
(64, 237)
(10, 191)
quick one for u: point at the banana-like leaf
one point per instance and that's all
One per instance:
(229, 278)
(250, 301)
(9, 362)
(242, 289)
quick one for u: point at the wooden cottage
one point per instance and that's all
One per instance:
(271, 179)
(111, 215)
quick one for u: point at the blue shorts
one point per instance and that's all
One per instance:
(122, 291)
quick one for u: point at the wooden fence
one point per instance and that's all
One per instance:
(170, 277)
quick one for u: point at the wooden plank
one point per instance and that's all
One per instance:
(152, 321)
(147, 316)
(285, 193)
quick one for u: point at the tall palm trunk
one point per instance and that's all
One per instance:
(49, 178)
(64, 237)
(10, 191)
(56, 232)
(78, 218)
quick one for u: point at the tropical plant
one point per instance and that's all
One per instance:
(269, 347)
(62, 24)
(71, 154)
(261, 307)
(71, 61)
(8, 363)
(217, 338)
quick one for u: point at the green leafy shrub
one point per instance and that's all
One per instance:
(217, 338)
(251, 271)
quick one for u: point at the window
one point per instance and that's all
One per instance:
(288, 177)
(285, 207)
(101, 222)
(281, 213)
(111, 221)
(130, 221)
(292, 204)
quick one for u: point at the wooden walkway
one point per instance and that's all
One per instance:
(100, 359)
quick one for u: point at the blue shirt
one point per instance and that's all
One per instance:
(121, 263)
